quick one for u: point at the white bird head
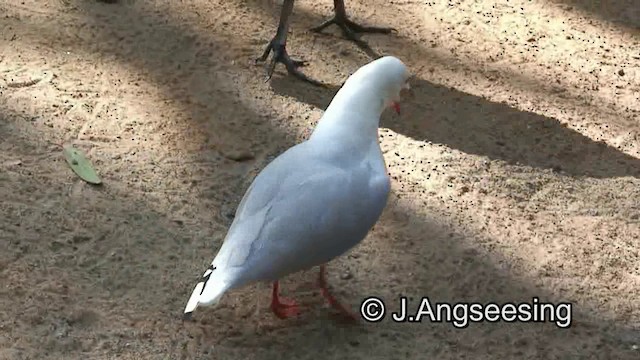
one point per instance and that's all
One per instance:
(358, 105)
(387, 78)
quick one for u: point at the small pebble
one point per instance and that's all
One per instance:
(346, 275)
(238, 155)
(12, 163)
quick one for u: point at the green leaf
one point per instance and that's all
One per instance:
(80, 165)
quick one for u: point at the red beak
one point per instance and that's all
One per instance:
(396, 107)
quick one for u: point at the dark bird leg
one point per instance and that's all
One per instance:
(278, 46)
(322, 282)
(348, 27)
(281, 306)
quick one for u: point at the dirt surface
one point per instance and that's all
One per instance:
(515, 174)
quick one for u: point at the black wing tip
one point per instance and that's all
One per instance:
(188, 316)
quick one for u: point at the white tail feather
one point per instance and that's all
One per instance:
(208, 291)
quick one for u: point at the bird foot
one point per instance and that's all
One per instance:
(351, 29)
(285, 308)
(281, 306)
(346, 313)
(280, 56)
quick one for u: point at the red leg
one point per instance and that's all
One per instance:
(322, 281)
(281, 306)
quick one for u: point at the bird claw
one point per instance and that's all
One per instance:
(285, 308)
(369, 29)
(333, 302)
(351, 29)
(280, 56)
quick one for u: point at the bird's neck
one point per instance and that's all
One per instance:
(353, 116)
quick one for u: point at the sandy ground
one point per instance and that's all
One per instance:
(515, 174)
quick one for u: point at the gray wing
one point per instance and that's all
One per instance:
(300, 214)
